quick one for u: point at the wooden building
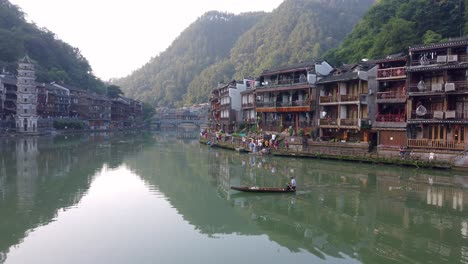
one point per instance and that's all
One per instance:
(226, 106)
(249, 114)
(390, 120)
(437, 106)
(346, 107)
(99, 112)
(287, 97)
(8, 84)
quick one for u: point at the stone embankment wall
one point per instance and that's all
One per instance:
(297, 147)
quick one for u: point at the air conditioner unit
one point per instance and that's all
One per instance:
(436, 87)
(452, 58)
(449, 87)
(441, 59)
(438, 115)
(450, 115)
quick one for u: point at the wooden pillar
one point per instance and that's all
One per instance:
(366, 136)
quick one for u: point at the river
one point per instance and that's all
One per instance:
(151, 198)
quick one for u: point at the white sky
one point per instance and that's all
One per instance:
(117, 36)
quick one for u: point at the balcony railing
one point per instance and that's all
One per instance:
(304, 124)
(288, 82)
(248, 105)
(266, 104)
(439, 60)
(399, 94)
(463, 115)
(348, 122)
(283, 104)
(435, 144)
(328, 99)
(390, 118)
(391, 73)
(349, 98)
(448, 115)
(328, 122)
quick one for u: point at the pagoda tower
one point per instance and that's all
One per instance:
(26, 103)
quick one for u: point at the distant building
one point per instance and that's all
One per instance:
(8, 84)
(249, 114)
(287, 96)
(346, 106)
(230, 105)
(26, 102)
(99, 112)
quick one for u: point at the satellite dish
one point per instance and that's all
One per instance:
(421, 111)
(423, 60)
(422, 86)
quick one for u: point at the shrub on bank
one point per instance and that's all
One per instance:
(68, 124)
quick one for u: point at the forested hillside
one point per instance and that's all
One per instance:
(297, 31)
(165, 78)
(56, 60)
(391, 26)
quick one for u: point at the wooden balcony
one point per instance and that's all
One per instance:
(435, 144)
(349, 98)
(349, 122)
(328, 99)
(247, 105)
(391, 73)
(287, 82)
(292, 104)
(390, 118)
(289, 104)
(440, 60)
(328, 122)
(439, 115)
(391, 95)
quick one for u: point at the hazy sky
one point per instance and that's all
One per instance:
(117, 36)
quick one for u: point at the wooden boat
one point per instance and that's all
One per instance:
(262, 189)
(241, 150)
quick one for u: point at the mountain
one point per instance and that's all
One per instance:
(297, 31)
(391, 26)
(207, 41)
(56, 60)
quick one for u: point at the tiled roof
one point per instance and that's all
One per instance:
(445, 44)
(392, 57)
(286, 68)
(347, 76)
(436, 67)
(8, 80)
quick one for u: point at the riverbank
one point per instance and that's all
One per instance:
(350, 152)
(66, 132)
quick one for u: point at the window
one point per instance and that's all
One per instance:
(25, 111)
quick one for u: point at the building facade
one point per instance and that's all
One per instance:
(287, 97)
(346, 106)
(390, 121)
(437, 106)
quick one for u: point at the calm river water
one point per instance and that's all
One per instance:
(145, 198)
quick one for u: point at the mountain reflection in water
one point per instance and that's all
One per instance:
(342, 211)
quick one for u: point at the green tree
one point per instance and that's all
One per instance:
(114, 91)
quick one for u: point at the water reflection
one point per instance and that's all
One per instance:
(41, 176)
(342, 212)
(372, 213)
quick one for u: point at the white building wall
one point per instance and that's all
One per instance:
(343, 112)
(342, 88)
